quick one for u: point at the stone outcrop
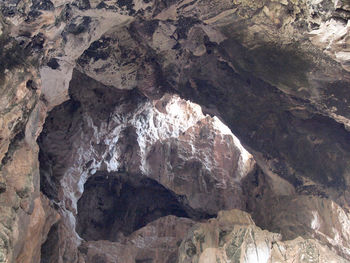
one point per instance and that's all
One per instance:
(233, 237)
(25, 214)
(318, 218)
(156, 242)
(214, 105)
(164, 150)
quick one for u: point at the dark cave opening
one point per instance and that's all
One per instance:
(113, 204)
(49, 249)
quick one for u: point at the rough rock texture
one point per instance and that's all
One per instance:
(198, 164)
(233, 237)
(132, 87)
(121, 206)
(156, 242)
(25, 214)
(316, 218)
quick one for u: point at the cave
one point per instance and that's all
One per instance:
(169, 131)
(120, 166)
(111, 183)
(113, 204)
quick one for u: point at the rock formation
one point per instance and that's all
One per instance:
(142, 131)
(233, 237)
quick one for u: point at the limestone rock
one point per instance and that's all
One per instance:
(41, 220)
(169, 140)
(137, 84)
(25, 213)
(233, 237)
(156, 242)
(316, 217)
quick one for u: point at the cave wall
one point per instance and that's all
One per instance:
(275, 72)
(103, 162)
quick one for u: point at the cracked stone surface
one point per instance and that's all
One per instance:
(226, 104)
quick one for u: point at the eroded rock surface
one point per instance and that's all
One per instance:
(156, 242)
(114, 205)
(131, 151)
(233, 237)
(317, 218)
(126, 84)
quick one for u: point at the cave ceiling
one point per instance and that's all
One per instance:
(213, 104)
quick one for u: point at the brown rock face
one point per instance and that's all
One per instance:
(41, 220)
(142, 102)
(25, 214)
(156, 242)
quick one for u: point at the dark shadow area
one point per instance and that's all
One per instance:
(52, 142)
(49, 249)
(112, 204)
(283, 127)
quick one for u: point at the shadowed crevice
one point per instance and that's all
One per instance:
(114, 204)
